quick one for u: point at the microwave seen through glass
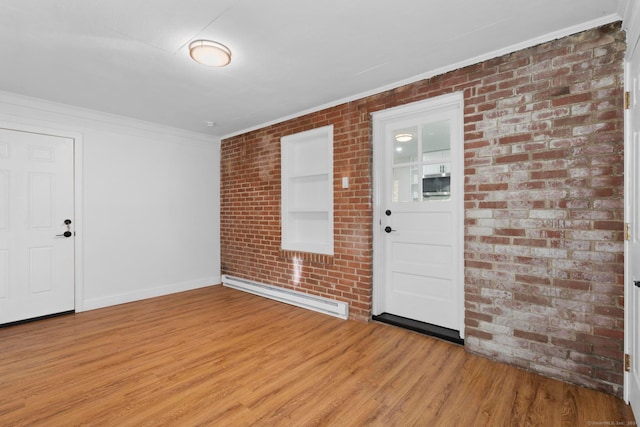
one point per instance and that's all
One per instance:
(437, 185)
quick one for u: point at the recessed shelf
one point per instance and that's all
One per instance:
(306, 210)
(302, 176)
(307, 191)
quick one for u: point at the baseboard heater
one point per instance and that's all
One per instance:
(299, 299)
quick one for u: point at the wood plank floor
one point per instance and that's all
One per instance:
(217, 356)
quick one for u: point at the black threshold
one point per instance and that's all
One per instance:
(34, 319)
(446, 334)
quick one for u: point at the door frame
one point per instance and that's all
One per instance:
(432, 104)
(76, 137)
(632, 26)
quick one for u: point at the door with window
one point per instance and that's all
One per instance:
(36, 225)
(419, 223)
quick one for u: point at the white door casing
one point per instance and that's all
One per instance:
(37, 267)
(632, 242)
(418, 266)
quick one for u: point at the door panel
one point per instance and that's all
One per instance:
(36, 197)
(416, 284)
(4, 274)
(632, 293)
(4, 200)
(419, 241)
(40, 198)
(40, 270)
(422, 266)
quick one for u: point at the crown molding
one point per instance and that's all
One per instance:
(24, 106)
(451, 67)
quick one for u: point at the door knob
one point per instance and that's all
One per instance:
(65, 234)
(388, 229)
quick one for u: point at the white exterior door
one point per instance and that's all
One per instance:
(36, 209)
(419, 223)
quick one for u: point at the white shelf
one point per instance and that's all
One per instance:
(307, 191)
(308, 175)
(306, 210)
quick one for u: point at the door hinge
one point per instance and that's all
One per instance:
(627, 363)
(627, 100)
(627, 231)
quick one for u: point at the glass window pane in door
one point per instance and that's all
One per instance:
(406, 185)
(436, 142)
(436, 160)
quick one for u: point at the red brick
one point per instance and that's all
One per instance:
(513, 158)
(531, 336)
(514, 139)
(548, 174)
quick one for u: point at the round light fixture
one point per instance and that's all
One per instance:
(207, 52)
(404, 137)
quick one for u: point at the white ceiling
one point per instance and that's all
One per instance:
(130, 57)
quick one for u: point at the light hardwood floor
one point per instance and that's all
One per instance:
(217, 356)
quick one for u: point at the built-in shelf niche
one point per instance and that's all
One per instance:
(307, 191)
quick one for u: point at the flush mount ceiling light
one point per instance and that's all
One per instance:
(404, 137)
(207, 52)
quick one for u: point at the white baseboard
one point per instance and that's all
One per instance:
(140, 294)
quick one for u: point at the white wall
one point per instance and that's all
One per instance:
(149, 219)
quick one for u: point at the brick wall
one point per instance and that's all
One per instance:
(543, 206)
(250, 212)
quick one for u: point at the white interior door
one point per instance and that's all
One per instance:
(36, 209)
(419, 241)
